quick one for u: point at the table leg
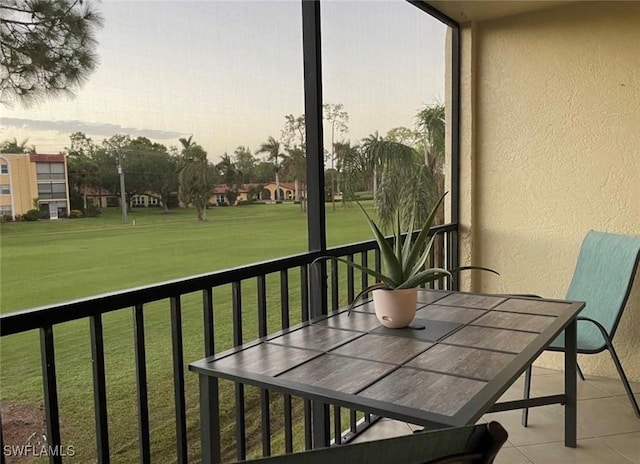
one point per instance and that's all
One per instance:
(209, 420)
(570, 384)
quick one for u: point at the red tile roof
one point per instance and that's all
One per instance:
(43, 158)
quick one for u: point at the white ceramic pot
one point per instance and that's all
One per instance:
(395, 308)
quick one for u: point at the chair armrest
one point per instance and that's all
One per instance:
(597, 324)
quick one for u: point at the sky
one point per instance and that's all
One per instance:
(228, 72)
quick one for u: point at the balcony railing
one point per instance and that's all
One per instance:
(274, 278)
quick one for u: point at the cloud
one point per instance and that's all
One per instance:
(89, 128)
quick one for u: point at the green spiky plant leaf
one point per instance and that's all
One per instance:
(404, 262)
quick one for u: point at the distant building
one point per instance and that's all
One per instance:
(30, 181)
(288, 191)
(144, 201)
(258, 192)
(221, 191)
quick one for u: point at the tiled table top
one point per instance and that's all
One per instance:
(472, 349)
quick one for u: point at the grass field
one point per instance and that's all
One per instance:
(52, 261)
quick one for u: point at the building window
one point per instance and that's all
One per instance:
(50, 171)
(4, 169)
(153, 201)
(5, 189)
(52, 191)
(6, 211)
(137, 200)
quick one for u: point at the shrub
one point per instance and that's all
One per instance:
(173, 201)
(75, 200)
(75, 213)
(32, 215)
(91, 211)
(6, 218)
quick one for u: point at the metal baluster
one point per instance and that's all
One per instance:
(304, 292)
(141, 385)
(308, 428)
(241, 444)
(264, 394)
(209, 389)
(350, 280)
(284, 307)
(52, 413)
(178, 380)
(209, 331)
(452, 253)
(266, 422)
(445, 244)
(337, 425)
(364, 260)
(262, 306)
(335, 302)
(99, 389)
(288, 424)
(284, 298)
(432, 263)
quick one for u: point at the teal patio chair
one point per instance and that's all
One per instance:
(604, 274)
(473, 444)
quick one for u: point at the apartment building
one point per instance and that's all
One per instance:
(29, 181)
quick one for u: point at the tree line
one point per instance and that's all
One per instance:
(171, 174)
(184, 173)
(404, 170)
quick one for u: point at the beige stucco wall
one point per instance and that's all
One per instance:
(24, 188)
(550, 149)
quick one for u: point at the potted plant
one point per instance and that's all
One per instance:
(396, 290)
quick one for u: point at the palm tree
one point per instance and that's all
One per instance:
(347, 164)
(231, 176)
(13, 147)
(294, 166)
(194, 177)
(272, 148)
(338, 120)
(369, 161)
(405, 182)
(431, 125)
(408, 176)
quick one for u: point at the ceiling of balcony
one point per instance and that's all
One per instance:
(480, 10)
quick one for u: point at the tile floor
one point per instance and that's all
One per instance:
(608, 430)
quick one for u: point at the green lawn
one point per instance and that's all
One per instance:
(52, 261)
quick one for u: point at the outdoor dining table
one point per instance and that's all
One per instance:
(461, 354)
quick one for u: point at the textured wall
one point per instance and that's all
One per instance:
(23, 182)
(551, 149)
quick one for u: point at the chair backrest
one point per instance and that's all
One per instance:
(475, 444)
(603, 277)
